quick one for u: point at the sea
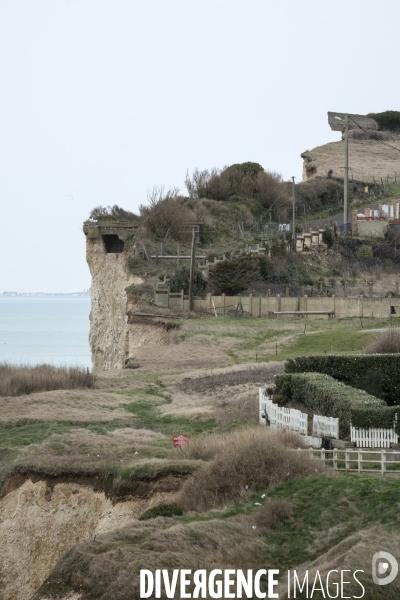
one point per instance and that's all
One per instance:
(45, 330)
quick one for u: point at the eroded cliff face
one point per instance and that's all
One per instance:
(39, 524)
(116, 332)
(109, 338)
(369, 159)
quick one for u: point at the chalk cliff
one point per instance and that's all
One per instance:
(116, 333)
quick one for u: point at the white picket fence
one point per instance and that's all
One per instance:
(280, 417)
(326, 427)
(373, 437)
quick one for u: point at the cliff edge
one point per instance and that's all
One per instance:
(116, 333)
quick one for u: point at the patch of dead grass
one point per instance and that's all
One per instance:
(242, 462)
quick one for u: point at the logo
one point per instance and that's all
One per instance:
(381, 561)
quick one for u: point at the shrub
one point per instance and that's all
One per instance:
(18, 380)
(162, 510)
(364, 253)
(250, 460)
(267, 270)
(233, 276)
(389, 119)
(180, 281)
(166, 216)
(318, 194)
(323, 395)
(387, 343)
(353, 370)
(247, 180)
(328, 237)
(272, 514)
(112, 212)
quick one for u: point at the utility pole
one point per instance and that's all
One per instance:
(346, 172)
(191, 278)
(293, 217)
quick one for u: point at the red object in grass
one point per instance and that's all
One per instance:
(180, 440)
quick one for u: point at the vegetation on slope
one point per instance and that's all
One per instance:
(16, 380)
(317, 523)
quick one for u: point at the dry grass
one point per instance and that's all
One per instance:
(24, 379)
(354, 553)
(387, 343)
(272, 514)
(109, 567)
(245, 461)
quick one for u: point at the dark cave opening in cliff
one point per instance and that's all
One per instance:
(112, 243)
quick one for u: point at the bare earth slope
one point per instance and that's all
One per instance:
(368, 159)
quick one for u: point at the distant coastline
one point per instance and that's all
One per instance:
(84, 294)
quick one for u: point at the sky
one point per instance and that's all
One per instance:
(104, 99)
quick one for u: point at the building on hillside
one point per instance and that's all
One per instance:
(375, 222)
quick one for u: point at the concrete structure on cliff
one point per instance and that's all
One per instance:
(370, 160)
(116, 332)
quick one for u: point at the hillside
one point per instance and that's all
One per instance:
(369, 159)
(79, 467)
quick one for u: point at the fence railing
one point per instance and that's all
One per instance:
(373, 437)
(325, 427)
(358, 461)
(280, 417)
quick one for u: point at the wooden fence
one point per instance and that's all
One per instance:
(373, 437)
(280, 417)
(325, 427)
(357, 461)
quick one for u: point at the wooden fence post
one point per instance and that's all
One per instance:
(383, 462)
(182, 300)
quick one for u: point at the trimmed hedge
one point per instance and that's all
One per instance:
(376, 373)
(323, 395)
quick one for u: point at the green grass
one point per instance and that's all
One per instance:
(331, 516)
(328, 342)
(251, 336)
(149, 416)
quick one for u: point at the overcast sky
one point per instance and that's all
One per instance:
(103, 99)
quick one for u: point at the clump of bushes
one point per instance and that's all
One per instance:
(180, 281)
(246, 180)
(19, 380)
(249, 460)
(234, 275)
(166, 215)
(389, 120)
(112, 212)
(387, 343)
